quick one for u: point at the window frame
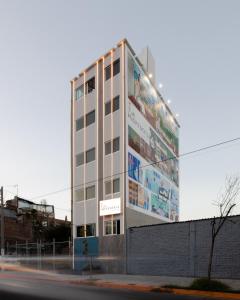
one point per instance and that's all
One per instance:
(114, 181)
(116, 67)
(81, 190)
(87, 153)
(87, 191)
(108, 144)
(83, 229)
(117, 223)
(83, 159)
(81, 119)
(89, 90)
(87, 116)
(80, 88)
(117, 139)
(105, 183)
(94, 229)
(108, 72)
(116, 100)
(109, 106)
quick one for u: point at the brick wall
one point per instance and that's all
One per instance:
(17, 231)
(182, 249)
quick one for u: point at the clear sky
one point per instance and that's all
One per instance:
(44, 44)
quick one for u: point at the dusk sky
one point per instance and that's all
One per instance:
(44, 44)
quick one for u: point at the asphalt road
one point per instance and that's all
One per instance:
(17, 285)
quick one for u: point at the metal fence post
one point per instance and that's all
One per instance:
(69, 246)
(40, 254)
(54, 253)
(26, 248)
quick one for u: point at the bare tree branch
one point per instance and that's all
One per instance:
(227, 200)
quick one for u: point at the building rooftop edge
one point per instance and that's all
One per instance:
(125, 41)
(188, 221)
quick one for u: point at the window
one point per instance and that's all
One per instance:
(80, 159)
(116, 67)
(79, 195)
(80, 231)
(90, 155)
(108, 187)
(108, 147)
(107, 108)
(116, 185)
(91, 229)
(90, 118)
(116, 103)
(90, 85)
(112, 146)
(112, 227)
(116, 226)
(90, 192)
(107, 72)
(79, 123)
(79, 92)
(116, 144)
(108, 227)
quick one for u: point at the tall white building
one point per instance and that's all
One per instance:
(124, 153)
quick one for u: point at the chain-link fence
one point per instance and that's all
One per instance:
(42, 255)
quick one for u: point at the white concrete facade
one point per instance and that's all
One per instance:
(101, 173)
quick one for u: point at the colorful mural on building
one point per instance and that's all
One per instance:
(152, 149)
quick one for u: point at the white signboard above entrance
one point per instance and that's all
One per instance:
(110, 207)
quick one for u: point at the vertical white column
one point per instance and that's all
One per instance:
(112, 129)
(103, 118)
(84, 147)
(97, 148)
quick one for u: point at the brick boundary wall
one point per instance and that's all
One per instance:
(182, 249)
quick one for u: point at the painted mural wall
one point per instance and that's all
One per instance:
(153, 147)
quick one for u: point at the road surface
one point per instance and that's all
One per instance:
(37, 286)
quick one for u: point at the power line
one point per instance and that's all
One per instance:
(144, 166)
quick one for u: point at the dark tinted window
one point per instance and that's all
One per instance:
(90, 155)
(90, 85)
(90, 192)
(90, 118)
(107, 72)
(80, 231)
(108, 227)
(108, 149)
(116, 67)
(79, 123)
(116, 185)
(116, 226)
(108, 187)
(107, 108)
(116, 103)
(91, 229)
(116, 144)
(79, 159)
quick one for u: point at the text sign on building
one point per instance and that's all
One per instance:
(110, 207)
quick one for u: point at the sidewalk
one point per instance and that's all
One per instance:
(156, 281)
(132, 282)
(149, 284)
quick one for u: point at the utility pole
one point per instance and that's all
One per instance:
(2, 225)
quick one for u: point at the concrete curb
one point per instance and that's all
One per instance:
(152, 288)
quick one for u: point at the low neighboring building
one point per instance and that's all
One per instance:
(16, 230)
(25, 220)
